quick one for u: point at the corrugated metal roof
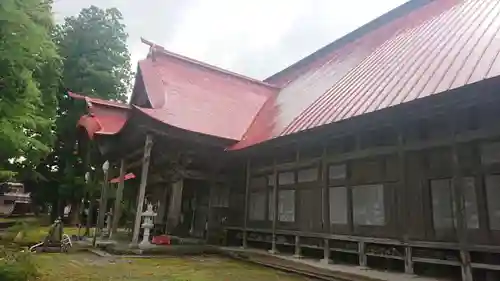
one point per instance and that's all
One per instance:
(200, 98)
(437, 47)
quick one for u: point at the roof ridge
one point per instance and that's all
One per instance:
(206, 65)
(99, 101)
(340, 42)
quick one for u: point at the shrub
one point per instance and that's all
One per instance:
(16, 266)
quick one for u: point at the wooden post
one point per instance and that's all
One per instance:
(326, 251)
(209, 226)
(459, 201)
(401, 214)
(118, 199)
(103, 202)
(362, 254)
(274, 249)
(142, 188)
(408, 260)
(298, 248)
(325, 198)
(174, 208)
(89, 193)
(247, 197)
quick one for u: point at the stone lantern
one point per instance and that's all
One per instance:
(147, 225)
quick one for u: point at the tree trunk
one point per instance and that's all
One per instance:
(76, 210)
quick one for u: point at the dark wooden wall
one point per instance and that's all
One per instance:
(412, 160)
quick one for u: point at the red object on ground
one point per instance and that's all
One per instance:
(128, 176)
(161, 240)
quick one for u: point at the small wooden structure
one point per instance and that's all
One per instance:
(384, 145)
(13, 199)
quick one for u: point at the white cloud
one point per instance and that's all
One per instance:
(255, 38)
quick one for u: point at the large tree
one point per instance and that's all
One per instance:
(29, 81)
(96, 63)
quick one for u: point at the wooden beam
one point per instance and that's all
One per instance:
(464, 137)
(156, 178)
(118, 198)
(142, 188)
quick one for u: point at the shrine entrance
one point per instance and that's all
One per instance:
(194, 209)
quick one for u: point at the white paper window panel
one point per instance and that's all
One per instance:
(337, 172)
(286, 205)
(338, 205)
(490, 153)
(307, 175)
(368, 205)
(257, 205)
(286, 178)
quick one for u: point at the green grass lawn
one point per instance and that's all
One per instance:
(16, 219)
(80, 267)
(35, 234)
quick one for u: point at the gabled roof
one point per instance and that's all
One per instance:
(434, 48)
(198, 97)
(420, 49)
(104, 117)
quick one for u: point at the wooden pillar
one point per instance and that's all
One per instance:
(160, 218)
(103, 202)
(118, 199)
(459, 200)
(142, 187)
(247, 198)
(401, 214)
(325, 199)
(362, 254)
(274, 249)
(326, 251)
(298, 248)
(88, 191)
(175, 206)
(210, 220)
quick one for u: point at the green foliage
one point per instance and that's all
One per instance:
(29, 80)
(16, 266)
(96, 63)
(19, 230)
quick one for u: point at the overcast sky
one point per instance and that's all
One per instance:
(252, 37)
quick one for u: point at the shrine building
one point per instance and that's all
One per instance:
(384, 144)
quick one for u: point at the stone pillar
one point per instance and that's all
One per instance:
(142, 188)
(174, 209)
(118, 199)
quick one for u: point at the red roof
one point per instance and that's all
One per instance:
(104, 117)
(420, 49)
(440, 46)
(201, 98)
